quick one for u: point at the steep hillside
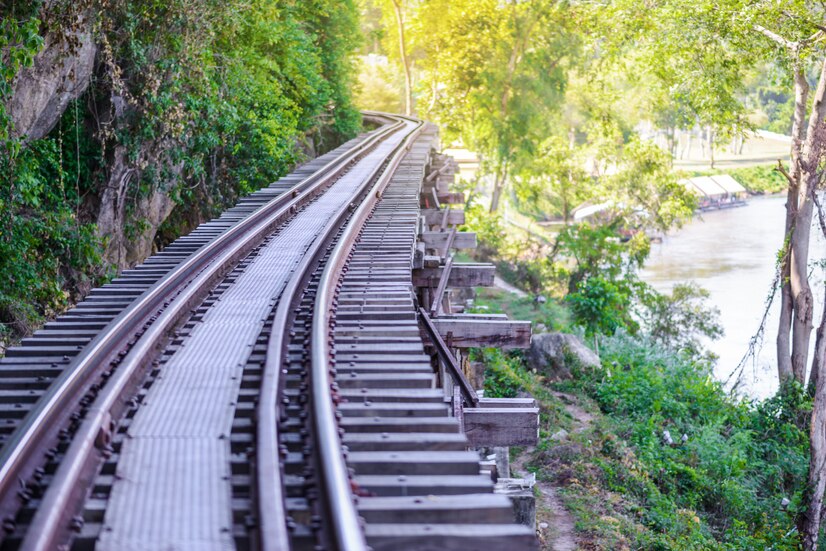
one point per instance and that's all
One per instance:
(125, 123)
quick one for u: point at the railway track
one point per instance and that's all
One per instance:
(260, 384)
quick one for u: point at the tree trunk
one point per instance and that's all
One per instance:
(820, 352)
(813, 516)
(711, 146)
(498, 187)
(801, 291)
(784, 357)
(817, 462)
(408, 80)
(811, 154)
(784, 360)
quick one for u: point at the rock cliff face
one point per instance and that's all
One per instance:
(60, 74)
(128, 243)
(158, 119)
(126, 123)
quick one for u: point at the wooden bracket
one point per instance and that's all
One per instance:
(436, 304)
(451, 198)
(449, 361)
(458, 408)
(445, 216)
(502, 422)
(435, 217)
(451, 237)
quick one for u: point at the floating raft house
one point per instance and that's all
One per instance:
(717, 192)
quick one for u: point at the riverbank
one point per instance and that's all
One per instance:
(720, 481)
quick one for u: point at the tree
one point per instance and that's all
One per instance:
(602, 276)
(500, 78)
(408, 79)
(552, 181)
(680, 320)
(700, 51)
(643, 184)
(401, 10)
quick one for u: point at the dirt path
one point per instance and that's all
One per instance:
(559, 535)
(582, 419)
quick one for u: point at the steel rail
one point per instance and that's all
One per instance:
(334, 476)
(160, 307)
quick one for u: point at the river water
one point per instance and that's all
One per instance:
(731, 253)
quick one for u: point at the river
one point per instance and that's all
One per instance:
(731, 253)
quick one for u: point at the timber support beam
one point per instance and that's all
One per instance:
(484, 331)
(502, 422)
(487, 422)
(438, 240)
(461, 275)
(435, 217)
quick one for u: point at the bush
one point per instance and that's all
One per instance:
(760, 179)
(739, 458)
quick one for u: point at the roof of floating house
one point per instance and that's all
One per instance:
(708, 186)
(692, 188)
(728, 183)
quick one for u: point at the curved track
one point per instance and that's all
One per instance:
(196, 403)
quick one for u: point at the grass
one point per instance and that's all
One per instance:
(760, 179)
(546, 316)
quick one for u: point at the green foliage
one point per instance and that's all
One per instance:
(627, 487)
(520, 260)
(645, 182)
(236, 91)
(506, 377)
(380, 87)
(493, 73)
(44, 248)
(602, 277)
(46, 253)
(489, 229)
(602, 305)
(501, 373)
(209, 100)
(700, 57)
(548, 315)
(551, 182)
(19, 43)
(740, 459)
(770, 97)
(678, 48)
